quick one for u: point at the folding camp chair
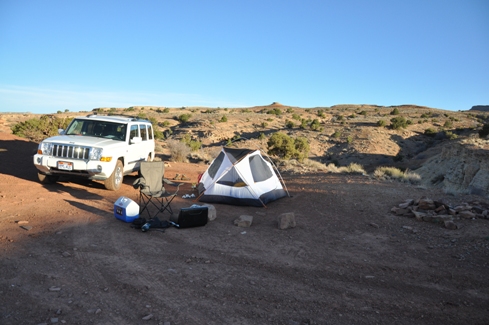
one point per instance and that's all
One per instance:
(151, 185)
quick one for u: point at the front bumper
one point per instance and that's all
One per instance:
(98, 170)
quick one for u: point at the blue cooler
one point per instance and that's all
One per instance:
(126, 209)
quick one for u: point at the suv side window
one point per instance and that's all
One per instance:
(150, 132)
(142, 128)
(134, 132)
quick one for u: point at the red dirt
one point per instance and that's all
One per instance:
(348, 261)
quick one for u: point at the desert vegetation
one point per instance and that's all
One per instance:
(383, 142)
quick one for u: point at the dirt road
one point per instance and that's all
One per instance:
(348, 261)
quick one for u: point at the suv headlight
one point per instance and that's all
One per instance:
(45, 148)
(96, 153)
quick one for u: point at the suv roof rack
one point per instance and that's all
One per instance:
(133, 118)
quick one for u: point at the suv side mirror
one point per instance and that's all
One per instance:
(136, 140)
(61, 131)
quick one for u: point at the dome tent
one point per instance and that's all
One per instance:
(240, 177)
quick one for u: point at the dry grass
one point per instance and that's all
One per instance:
(397, 174)
(179, 151)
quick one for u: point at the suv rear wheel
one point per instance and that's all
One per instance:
(114, 182)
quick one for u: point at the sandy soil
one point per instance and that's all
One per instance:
(348, 261)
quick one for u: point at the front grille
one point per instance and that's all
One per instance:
(73, 152)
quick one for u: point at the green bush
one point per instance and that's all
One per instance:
(296, 117)
(316, 126)
(223, 119)
(381, 123)
(395, 111)
(289, 124)
(448, 124)
(37, 129)
(275, 111)
(430, 132)
(184, 118)
(285, 147)
(194, 145)
(399, 122)
(336, 134)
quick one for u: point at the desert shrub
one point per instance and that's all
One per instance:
(223, 119)
(275, 111)
(336, 134)
(296, 117)
(316, 126)
(450, 135)
(290, 110)
(37, 129)
(395, 111)
(165, 110)
(157, 133)
(129, 109)
(303, 124)
(289, 124)
(320, 113)
(364, 113)
(262, 136)
(264, 124)
(448, 124)
(285, 147)
(179, 151)
(381, 123)
(484, 132)
(184, 118)
(399, 122)
(397, 174)
(339, 117)
(194, 145)
(349, 139)
(164, 124)
(430, 132)
(354, 168)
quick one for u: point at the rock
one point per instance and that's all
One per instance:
(244, 221)
(374, 225)
(466, 214)
(419, 215)
(437, 218)
(441, 208)
(212, 215)
(22, 222)
(463, 207)
(449, 224)
(406, 203)
(148, 317)
(26, 227)
(286, 220)
(426, 204)
(52, 289)
(452, 212)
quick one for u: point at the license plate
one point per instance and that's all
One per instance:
(65, 165)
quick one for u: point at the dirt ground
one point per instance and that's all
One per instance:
(348, 260)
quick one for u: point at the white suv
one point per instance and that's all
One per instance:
(96, 147)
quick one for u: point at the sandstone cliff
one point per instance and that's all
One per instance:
(459, 168)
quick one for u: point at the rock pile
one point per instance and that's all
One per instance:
(426, 209)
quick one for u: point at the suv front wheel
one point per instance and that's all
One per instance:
(114, 182)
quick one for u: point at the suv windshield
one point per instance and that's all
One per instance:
(101, 129)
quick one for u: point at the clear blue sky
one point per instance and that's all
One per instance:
(78, 55)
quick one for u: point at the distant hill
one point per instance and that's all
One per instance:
(482, 108)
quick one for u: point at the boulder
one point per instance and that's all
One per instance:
(244, 221)
(426, 204)
(466, 214)
(286, 220)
